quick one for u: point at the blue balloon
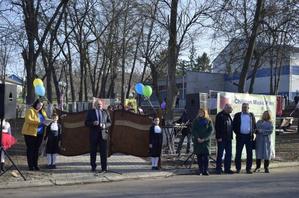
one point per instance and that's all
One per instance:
(40, 90)
(139, 88)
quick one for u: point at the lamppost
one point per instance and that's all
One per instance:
(62, 86)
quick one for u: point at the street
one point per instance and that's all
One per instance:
(281, 182)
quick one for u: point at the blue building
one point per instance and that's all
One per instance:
(280, 65)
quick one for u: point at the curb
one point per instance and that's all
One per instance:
(112, 177)
(85, 180)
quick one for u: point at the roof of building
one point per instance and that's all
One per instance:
(14, 79)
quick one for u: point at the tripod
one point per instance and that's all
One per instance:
(192, 157)
(2, 151)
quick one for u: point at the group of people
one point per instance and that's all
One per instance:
(249, 133)
(35, 129)
(98, 120)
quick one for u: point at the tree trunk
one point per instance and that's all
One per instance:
(172, 61)
(134, 61)
(256, 67)
(123, 62)
(68, 57)
(148, 42)
(251, 46)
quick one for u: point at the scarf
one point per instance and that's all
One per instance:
(203, 122)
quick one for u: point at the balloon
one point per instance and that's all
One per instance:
(37, 82)
(147, 91)
(163, 105)
(139, 88)
(40, 90)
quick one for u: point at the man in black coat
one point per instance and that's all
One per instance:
(244, 126)
(98, 120)
(224, 136)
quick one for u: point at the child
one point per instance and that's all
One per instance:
(53, 135)
(155, 143)
(7, 141)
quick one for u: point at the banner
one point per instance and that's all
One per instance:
(257, 105)
(129, 133)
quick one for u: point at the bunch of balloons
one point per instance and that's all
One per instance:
(39, 87)
(144, 90)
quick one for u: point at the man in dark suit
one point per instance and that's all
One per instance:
(224, 136)
(98, 120)
(244, 126)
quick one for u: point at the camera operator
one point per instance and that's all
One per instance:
(186, 132)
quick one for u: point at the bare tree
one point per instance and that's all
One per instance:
(35, 41)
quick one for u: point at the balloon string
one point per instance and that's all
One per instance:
(149, 101)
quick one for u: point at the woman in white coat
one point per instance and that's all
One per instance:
(263, 141)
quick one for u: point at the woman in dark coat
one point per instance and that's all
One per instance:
(53, 134)
(263, 141)
(201, 133)
(155, 143)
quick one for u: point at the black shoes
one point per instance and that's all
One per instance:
(36, 168)
(267, 170)
(155, 168)
(238, 171)
(248, 171)
(257, 170)
(93, 169)
(206, 173)
(218, 172)
(51, 166)
(1, 166)
(229, 172)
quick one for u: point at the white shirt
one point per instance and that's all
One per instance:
(54, 126)
(245, 123)
(6, 127)
(157, 129)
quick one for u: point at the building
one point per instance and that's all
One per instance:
(281, 65)
(15, 80)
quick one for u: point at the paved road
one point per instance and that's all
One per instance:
(283, 182)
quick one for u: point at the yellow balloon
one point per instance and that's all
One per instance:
(37, 82)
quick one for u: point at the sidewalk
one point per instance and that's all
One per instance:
(76, 170)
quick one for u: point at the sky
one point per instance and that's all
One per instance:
(203, 43)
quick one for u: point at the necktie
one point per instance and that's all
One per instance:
(100, 116)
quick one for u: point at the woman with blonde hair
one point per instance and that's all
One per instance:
(201, 133)
(263, 141)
